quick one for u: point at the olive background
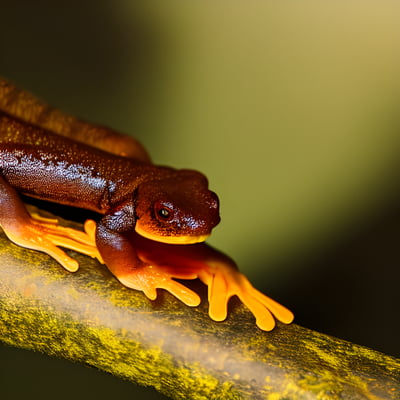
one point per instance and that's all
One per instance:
(290, 108)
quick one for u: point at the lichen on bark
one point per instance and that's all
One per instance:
(88, 317)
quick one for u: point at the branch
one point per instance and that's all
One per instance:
(88, 317)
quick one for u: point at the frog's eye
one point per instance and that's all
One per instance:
(163, 211)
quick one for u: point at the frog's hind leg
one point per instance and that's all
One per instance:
(42, 234)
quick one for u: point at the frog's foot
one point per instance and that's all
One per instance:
(224, 282)
(149, 278)
(44, 234)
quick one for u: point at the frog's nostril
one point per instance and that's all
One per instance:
(214, 209)
(214, 201)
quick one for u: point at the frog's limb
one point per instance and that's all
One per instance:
(219, 273)
(224, 281)
(120, 256)
(38, 233)
(149, 278)
(69, 238)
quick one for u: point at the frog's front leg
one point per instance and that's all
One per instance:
(224, 280)
(42, 234)
(120, 256)
(221, 276)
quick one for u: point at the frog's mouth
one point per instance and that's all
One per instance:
(173, 239)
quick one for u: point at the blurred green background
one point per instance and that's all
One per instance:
(290, 108)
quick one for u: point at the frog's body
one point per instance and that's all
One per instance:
(42, 155)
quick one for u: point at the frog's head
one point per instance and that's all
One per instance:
(179, 209)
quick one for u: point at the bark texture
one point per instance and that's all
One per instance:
(88, 317)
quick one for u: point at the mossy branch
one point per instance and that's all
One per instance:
(89, 317)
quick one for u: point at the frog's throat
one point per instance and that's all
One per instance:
(178, 239)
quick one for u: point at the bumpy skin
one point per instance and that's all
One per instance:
(24, 105)
(147, 211)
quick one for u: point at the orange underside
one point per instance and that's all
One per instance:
(179, 239)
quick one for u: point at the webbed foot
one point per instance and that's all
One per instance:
(149, 278)
(44, 234)
(219, 273)
(223, 282)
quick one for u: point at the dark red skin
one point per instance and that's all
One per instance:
(41, 164)
(145, 210)
(27, 107)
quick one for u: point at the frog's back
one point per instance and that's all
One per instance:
(42, 164)
(27, 107)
